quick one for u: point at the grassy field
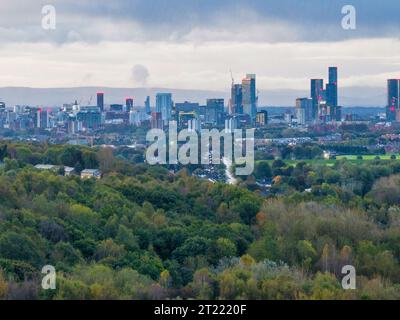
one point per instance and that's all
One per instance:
(331, 162)
(368, 157)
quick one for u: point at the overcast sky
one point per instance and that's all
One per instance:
(192, 44)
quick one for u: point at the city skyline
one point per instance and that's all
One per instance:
(19, 95)
(321, 107)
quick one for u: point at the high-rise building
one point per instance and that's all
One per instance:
(186, 107)
(317, 93)
(2, 107)
(147, 105)
(214, 111)
(156, 120)
(128, 104)
(262, 118)
(304, 110)
(189, 120)
(338, 113)
(116, 107)
(41, 118)
(100, 101)
(236, 103)
(231, 124)
(332, 88)
(164, 105)
(134, 118)
(90, 119)
(393, 102)
(333, 75)
(249, 95)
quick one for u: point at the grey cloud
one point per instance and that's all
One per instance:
(197, 20)
(140, 74)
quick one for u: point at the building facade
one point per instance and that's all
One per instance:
(249, 96)
(393, 103)
(164, 105)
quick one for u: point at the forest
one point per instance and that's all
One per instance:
(145, 232)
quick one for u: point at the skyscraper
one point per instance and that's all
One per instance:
(333, 75)
(128, 104)
(249, 95)
(393, 103)
(164, 105)
(147, 105)
(100, 101)
(304, 110)
(214, 111)
(236, 103)
(332, 88)
(317, 92)
(156, 120)
(90, 119)
(186, 107)
(42, 118)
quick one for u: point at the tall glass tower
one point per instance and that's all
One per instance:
(317, 92)
(164, 105)
(249, 95)
(100, 101)
(332, 88)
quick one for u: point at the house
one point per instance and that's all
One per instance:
(68, 171)
(90, 173)
(46, 167)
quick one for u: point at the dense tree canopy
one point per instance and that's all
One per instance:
(142, 232)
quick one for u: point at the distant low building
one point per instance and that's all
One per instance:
(46, 167)
(90, 173)
(69, 171)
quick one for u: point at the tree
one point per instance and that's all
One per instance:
(70, 156)
(306, 253)
(247, 209)
(18, 246)
(105, 158)
(386, 191)
(221, 248)
(278, 163)
(165, 279)
(192, 247)
(10, 164)
(109, 249)
(262, 170)
(3, 286)
(203, 284)
(3, 152)
(65, 255)
(90, 160)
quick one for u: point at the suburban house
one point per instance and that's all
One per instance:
(67, 170)
(90, 173)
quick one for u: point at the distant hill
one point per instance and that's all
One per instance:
(50, 97)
